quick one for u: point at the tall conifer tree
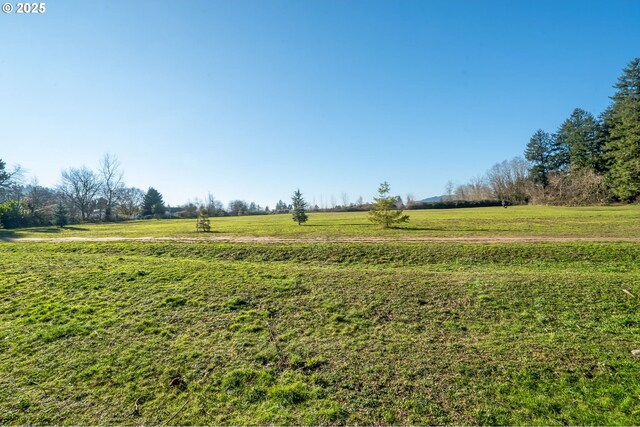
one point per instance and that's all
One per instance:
(153, 203)
(538, 153)
(623, 146)
(578, 143)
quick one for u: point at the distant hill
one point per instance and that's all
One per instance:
(433, 199)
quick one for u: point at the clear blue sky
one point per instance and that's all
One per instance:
(252, 99)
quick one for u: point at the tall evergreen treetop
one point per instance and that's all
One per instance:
(559, 152)
(586, 148)
(623, 147)
(153, 203)
(538, 153)
(578, 144)
(628, 85)
(4, 175)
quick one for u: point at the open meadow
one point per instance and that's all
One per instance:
(490, 223)
(319, 327)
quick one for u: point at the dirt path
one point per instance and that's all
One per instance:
(268, 239)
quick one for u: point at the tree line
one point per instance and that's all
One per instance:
(587, 160)
(82, 195)
(101, 195)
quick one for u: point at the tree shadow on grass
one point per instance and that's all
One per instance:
(455, 230)
(7, 234)
(418, 228)
(76, 228)
(10, 234)
(55, 230)
(362, 224)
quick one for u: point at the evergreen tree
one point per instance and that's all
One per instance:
(9, 180)
(60, 215)
(538, 153)
(153, 203)
(299, 205)
(4, 174)
(12, 214)
(623, 146)
(605, 123)
(578, 143)
(383, 208)
(202, 223)
(559, 152)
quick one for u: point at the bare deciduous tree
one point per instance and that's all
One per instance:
(575, 187)
(410, 200)
(508, 180)
(238, 207)
(112, 183)
(130, 200)
(40, 202)
(214, 207)
(80, 186)
(476, 189)
(479, 189)
(449, 189)
(344, 197)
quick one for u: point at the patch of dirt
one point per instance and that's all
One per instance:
(269, 239)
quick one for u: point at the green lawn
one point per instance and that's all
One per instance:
(606, 222)
(334, 333)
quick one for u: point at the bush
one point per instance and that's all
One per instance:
(576, 187)
(451, 204)
(12, 215)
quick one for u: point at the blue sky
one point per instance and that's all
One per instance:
(253, 99)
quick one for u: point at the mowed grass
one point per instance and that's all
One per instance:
(336, 333)
(605, 222)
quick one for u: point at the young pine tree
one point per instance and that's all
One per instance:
(298, 207)
(202, 223)
(383, 212)
(60, 215)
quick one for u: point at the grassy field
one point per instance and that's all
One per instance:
(325, 333)
(619, 221)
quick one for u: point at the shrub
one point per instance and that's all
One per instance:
(450, 204)
(12, 215)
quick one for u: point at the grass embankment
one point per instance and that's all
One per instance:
(405, 333)
(495, 222)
